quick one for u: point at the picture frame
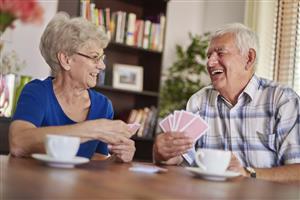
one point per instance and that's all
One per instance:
(128, 77)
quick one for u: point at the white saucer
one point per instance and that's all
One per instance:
(212, 176)
(54, 162)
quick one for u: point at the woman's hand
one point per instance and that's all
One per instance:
(109, 131)
(124, 151)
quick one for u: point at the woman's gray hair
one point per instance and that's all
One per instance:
(245, 38)
(65, 34)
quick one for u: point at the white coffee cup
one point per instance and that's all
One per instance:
(212, 160)
(62, 147)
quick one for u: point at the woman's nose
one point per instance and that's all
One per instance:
(101, 65)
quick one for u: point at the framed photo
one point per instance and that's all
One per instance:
(129, 77)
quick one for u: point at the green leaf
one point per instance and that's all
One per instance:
(183, 77)
(6, 19)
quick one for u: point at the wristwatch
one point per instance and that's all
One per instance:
(251, 171)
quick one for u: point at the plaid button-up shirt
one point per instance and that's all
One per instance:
(262, 129)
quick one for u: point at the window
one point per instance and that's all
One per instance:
(287, 53)
(277, 24)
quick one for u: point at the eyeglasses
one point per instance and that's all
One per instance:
(95, 59)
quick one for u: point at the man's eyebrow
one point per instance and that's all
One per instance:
(221, 49)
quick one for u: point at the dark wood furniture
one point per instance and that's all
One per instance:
(151, 61)
(30, 179)
(4, 126)
(123, 100)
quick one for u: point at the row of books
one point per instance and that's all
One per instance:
(124, 27)
(147, 118)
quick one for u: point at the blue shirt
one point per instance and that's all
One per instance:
(38, 105)
(262, 129)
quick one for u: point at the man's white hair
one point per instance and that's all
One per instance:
(245, 38)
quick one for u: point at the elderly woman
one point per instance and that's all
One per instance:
(64, 104)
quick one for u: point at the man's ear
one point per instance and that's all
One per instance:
(251, 57)
(63, 60)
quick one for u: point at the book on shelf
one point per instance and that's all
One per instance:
(147, 118)
(117, 30)
(147, 30)
(107, 21)
(144, 115)
(138, 33)
(124, 27)
(162, 22)
(130, 29)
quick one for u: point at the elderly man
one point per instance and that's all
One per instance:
(254, 118)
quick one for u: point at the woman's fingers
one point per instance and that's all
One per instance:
(116, 127)
(124, 151)
(112, 138)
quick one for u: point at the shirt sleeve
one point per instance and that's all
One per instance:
(189, 157)
(288, 129)
(30, 106)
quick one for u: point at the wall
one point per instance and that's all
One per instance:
(197, 16)
(24, 39)
(183, 16)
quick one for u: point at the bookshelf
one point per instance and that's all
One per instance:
(124, 101)
(4, 126)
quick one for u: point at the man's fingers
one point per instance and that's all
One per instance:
(176, 143)
(182, 141)
(175, 150)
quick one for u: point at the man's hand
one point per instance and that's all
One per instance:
(124, 151)
(170, 145)
(235, 165)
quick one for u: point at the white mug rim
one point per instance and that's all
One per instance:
(215, 150)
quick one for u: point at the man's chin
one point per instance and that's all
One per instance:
(217, 86)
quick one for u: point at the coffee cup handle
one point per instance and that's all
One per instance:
(199, 163)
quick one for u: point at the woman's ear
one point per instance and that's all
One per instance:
(251, 57)
(63, 60)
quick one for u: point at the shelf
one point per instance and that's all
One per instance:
(142, 93)
(125, 47)
(143, 149)
(136, 138)
(124, 101)
(5, 119)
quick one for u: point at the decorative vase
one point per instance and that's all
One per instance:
(7, 86)
(22, 82)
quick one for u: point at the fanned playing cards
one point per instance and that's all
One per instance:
(183, 121)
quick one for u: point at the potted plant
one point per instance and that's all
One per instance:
(183, 78)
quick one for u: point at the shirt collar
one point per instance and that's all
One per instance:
(250, 90)
(252, 87)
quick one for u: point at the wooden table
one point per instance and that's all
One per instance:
(30, 179)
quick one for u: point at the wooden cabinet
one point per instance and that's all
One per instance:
(151, 61)
(4, 126)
